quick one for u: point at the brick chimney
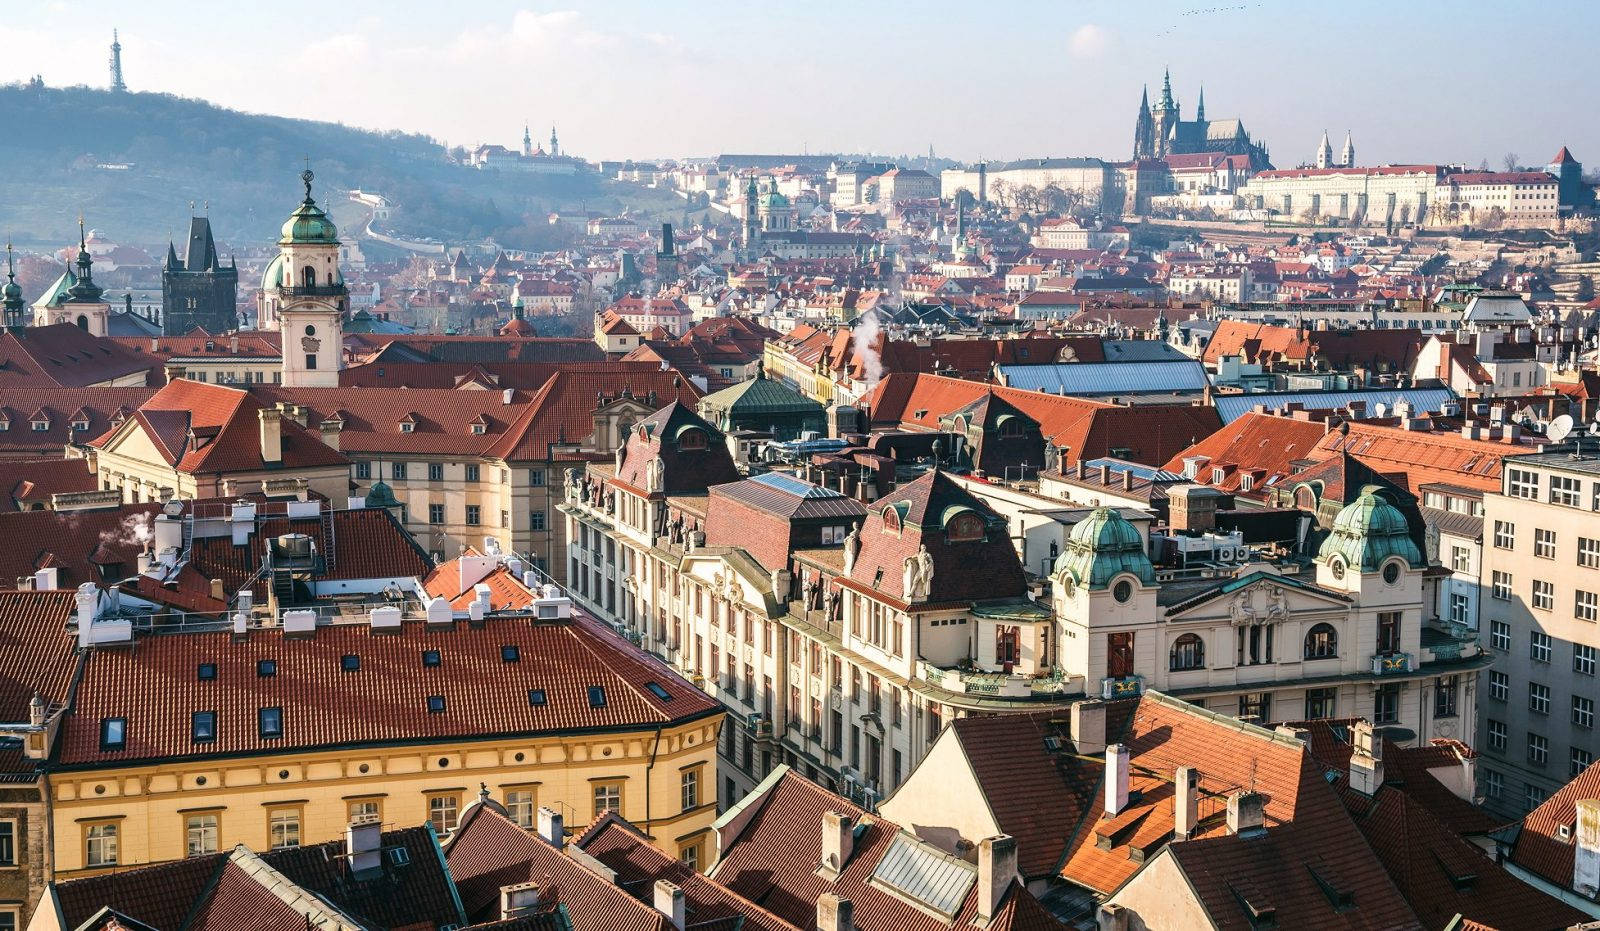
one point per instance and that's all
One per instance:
(1191, 508)
(1247, 814)
(997, 868)
(669, 902)
(838, 841)
(1186, 802)
(1117, 767)
(835, 914)
(271, 435)
(1586, 848)
(330, 433)
(1089, 727)
(1366, 762)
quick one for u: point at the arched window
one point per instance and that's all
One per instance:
(1188, 652)
(308, 277)
(1305, 499)
(1322, 642)
(692, 439)
(964, 527)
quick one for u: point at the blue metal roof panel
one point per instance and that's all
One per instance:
(1231, 407)
(1091, 379)
(925, 875)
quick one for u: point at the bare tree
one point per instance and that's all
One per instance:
(1509, 161)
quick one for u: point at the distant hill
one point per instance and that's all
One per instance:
(133, 162)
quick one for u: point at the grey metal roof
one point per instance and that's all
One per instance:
(1231, 407)
(1139, 470)
(786, 496)
(1091, 379)
(925, 875)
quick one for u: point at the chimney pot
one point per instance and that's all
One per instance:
(834, 913)
(1246, 814)
(838, 841)
(1089, 727)
(551, 827)
(997, 868)
(271, 435)
(1186, 814)
(669, 902)
(1117, 767)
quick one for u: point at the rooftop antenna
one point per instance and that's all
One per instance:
(1560, 428)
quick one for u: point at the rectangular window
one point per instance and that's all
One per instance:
(1585, 606)
(1544, 595)
(100, 844)
(473, 472)
(435, 471)
(8, 843)
(1580, 760)
(474, 515)
(1583, 659)
(270, 722)
(1497, 735)
(691, 789)
(1460, 608)
(365, 811)
(1493, 783)
(1499, 686)
(1538, 749)
(1388, 631)
(203, 726)
(1539, 647)
(1500, 585)
(435, 513)
(1538, 698)
(200, 835)
(536, 520)
(363, 470)
(1505, 535)
(520, 806)
(1460, 559)
(1583, 712)
(1320, 703)
(1445, 693)
(1532, 796)
(1589, 553)
(113, 733)
(1500, 635)
(397, 470)
(283, 828)
(442, 813)
(311, 361)
(1521, 483)
(1564, 491)
(607, 797)
(536, 478)
(1386, 704)
(1544, 543)
(1257, 705)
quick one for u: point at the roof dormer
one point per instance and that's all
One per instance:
(408, 423)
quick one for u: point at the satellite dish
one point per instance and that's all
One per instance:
(1380, 409)
(1559, 428)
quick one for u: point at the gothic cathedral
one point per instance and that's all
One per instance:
(1161, 131)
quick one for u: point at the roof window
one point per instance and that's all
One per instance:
(597, 696)
(350, 662)
(536, 698)
(270, 722)
(659, 692)
(266, 668)
(510, 653)
(435, 704)
(113, 733)
(206, 672)
(430, 657)
(203, 726)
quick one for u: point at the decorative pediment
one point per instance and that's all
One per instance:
(1257, 598)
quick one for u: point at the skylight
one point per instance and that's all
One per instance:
(266, 668)
(510, 653)
(597, 696)
(350, 662)
(659, 692)
(206, 672)
(435, 704)
(430, 657)
(536, 698)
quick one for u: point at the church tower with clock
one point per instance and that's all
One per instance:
(303, 290)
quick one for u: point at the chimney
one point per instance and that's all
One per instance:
(1112, 917)
(218, 593)
(271, 435)
(551, 827)
(1191, 508)
(1366, 762)
(838, 840)
(834, 913)
(1127, 479)
(1089, 727)
(1105, 474)
(168, 536)
(363, 844)
(88, 598)
(1116, 779)
(1586, 848)
(519, 899)
(1246, 815)
(1079, 467)
(330, 434)
(669, 902)
(1186, 802)
(997, 868)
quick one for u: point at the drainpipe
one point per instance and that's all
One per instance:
(654, 749)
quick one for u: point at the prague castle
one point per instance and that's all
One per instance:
(1161, 130)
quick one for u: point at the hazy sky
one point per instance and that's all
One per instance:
(1415, 80)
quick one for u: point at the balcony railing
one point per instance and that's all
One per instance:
(1390, 664)
(1121, 687)
(316, 290)
(997, 684)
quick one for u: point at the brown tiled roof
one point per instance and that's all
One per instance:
(1421, 457)
(38, 479)
(365, 544)
(65, 356)
(488, 851)
(385, 701)
(213, 892)
(67, 540)
(1441, 875)
(441, 417)
(105, 406)
(774, 859)
(1539, 847)
(562, 411)
(1340, 349)
(684, 470)
(436, 348)
(37, 657)
(1260, 445)
(620, 846)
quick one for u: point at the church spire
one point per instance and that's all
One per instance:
(1347, 155)
(1200, 108)
(527, 139)
(1324, 152)
(1166, 90)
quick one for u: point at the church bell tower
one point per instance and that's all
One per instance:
(310, 296)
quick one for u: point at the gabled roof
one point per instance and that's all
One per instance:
(1261, 446)
(37, 657)
(65, 356)
(684, 469)
(1539, 846)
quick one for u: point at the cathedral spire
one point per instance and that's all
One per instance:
(1347, 155)
(1200, 108)
(1166, 90)
(1324, 152)
(1144, 100)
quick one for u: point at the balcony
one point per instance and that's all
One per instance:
(1122, 687)
(1391, 664)
(316, 290)
(974, 682)
(1446, 641)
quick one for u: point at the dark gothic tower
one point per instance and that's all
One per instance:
(1143, 129)
(1200, 108)
(116, 64)
(198, 291)
(1164, 117)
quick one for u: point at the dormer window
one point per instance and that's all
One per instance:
(692, 439)
(408, 426)
(80, 425)
(40, 426)
(963, 527)
(5, 425)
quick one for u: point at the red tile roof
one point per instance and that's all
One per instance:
(105, 407)
(37, 657)
(1262, 446)
(1418, 457)
(69, 541)
(65, 356)
(1339, 349)
(385, 701)
(1539, 847)
(773, 860)
(36, 480)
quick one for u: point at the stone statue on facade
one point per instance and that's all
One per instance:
(852, 548)
(656, 477)
(917, 575)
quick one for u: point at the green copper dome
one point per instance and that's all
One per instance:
(1367, 532)
(308, 224)
(272, 278)
(380, 495)
(1103, 546)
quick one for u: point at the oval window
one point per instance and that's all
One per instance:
(1337, 568)
(311, 331)
(1122, 591)
(1391, 573)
